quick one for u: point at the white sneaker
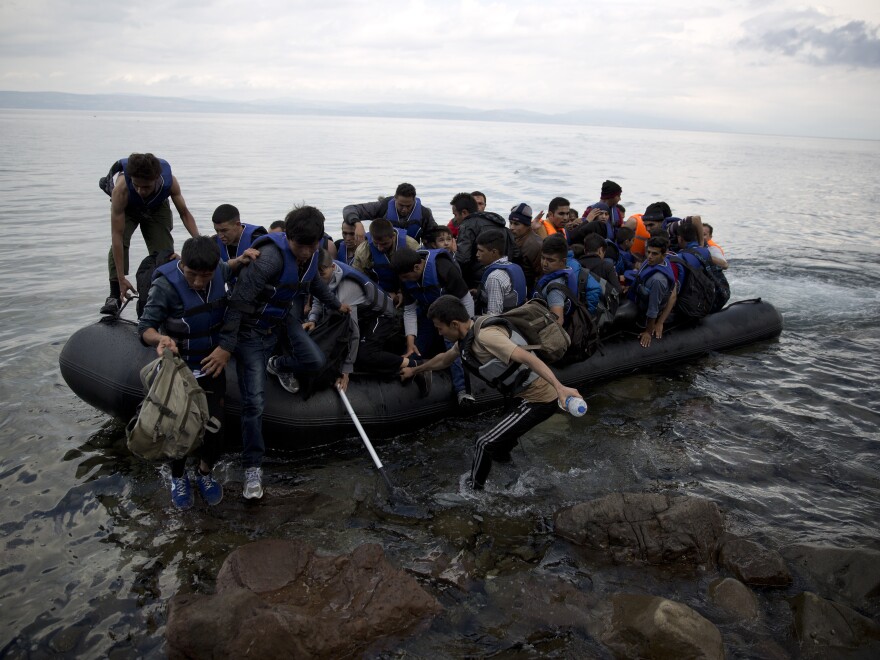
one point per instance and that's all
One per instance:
(253, 483)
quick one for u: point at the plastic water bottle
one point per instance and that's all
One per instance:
(576, 406)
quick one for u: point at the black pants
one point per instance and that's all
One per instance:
(215, 391)
(502, 437)
(377, 333)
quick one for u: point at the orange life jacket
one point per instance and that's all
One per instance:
(549, 227)
(714, 244)
(642, 235)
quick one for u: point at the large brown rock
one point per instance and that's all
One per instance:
(652, 627)
(735, 598)
(280, 599)
(826, 629)
(650, 527)
(753, 563)
(849, 575)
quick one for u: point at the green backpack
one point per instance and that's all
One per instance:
(171, 421)
(537, 324)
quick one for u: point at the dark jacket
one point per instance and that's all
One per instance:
(601, 267)
(466, 252)
(375, 210)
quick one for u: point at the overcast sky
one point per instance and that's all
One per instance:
(761, 66)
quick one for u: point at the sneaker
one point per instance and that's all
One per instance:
(288, 380)
(466, 400)
(181, 495)
(423, 381)
(253, 483)
(209, 488)
(111, 306)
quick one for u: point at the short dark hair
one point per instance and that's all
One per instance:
(324, 258)
(143, 166)
(660, 242)
(706, 225)
(592, 243)
(434, 233)
(404, 260)
(304, 225)
(657, 212)
(278, 224)
(447, 309)
(381, 228)
(579, 233)
(556, 202)
(493, 239)
(477, 193)
(200, 253)
(688, 232)
(405, 190)
(555, 245)
(625, 234)
(225, 213)
(464, 202)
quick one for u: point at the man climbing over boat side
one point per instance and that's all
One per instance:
(267, 300)
(492, 351)
(404, 211)
(139, 198)
(183, 314)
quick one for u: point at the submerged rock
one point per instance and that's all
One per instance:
(849, 575)
(651, 627)
(280, 598)
(735, 598)
(650, 527)
(752, 563)
(827, 629)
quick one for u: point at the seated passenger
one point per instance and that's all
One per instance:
(654, 289)
(554, 256)
(557, 217)
(503, 285)
(426, 275)
(527, 241)
(352, 237)
(403, 211)
(594, 261)
(624, 240)
(473, 223)
(183, 314)
(277, 227)
(715, 250)
(609, 200)
(372, 322)
(373, 256)
(439, 238)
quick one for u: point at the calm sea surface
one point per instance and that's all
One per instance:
(783, 435)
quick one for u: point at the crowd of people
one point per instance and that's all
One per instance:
(408, 286)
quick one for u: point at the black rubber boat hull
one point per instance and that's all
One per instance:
(101, 364)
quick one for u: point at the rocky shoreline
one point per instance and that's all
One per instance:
(282, 598)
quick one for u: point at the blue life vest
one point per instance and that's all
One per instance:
(644, 274)
(385, 275)
(429, 288)
(412, 223)
(518, 293)
(275, 300)
(197, 330)
(342, 253)
(589, 295)
(163, 190)
(378, 300)
(244, 242)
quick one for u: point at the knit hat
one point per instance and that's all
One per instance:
(657, 212)
(521, 213)
(610, 189)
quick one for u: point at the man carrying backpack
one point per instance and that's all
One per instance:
(494, 353)
(183, 314)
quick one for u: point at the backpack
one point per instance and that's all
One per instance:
(722, 286)
(331, 334)
(578, 324)
(171, 421)
(538, 326)
(144, 277)
(697, 295)
(106, 183)
(609, 301)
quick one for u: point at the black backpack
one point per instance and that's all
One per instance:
(578, 323)
(331, 334)
(696, 298)
(144, 276)
(722, 286)
(105, 183)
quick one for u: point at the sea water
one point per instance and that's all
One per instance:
(782, 434)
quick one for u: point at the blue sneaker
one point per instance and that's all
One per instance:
(181, 495)
(209, 488)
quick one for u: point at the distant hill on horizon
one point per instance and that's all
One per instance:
(142, 103)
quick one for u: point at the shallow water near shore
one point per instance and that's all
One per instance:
(783, 435)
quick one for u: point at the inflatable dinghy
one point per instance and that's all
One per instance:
(101, 364)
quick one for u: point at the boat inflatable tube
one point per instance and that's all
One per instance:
(101, 364)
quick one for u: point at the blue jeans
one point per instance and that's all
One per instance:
(430, 343)
(251, 354)
(305, 354)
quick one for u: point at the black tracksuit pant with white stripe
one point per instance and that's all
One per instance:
(503, 436)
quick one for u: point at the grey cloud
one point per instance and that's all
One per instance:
(856, 44)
